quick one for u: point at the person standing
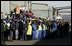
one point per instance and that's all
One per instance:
(16, 19)
(34, 28)
(66, 25)
(2, 33)
(40, 30)
(44, 31)
(26, 14)
(20, 29)
(54, 29)
(24, 37)
(30, 14)
(29, 30)
(7, 26)
(48, 29)
(62, 28)
(12, 28)
(24, 21)
(58, 29)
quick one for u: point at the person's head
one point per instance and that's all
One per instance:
(21, 11)
(26, 11)
(29, 21)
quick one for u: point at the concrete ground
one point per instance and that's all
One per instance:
(55, 41)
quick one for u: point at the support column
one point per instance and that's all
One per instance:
(26, 5)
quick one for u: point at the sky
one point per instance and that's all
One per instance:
(55, 3)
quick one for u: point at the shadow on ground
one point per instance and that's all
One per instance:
(55, 41)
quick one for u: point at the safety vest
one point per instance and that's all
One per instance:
(8, 25)
(29, 31)
(44, 27)
(40, 28)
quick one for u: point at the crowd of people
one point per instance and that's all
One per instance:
(24, 26)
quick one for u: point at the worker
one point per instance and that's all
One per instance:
(48, 29)
(29, 30)
(40, 30)
(44, 30)
(11, 30)
(66, 25)
(58, 28)
(2, 33)
(16, 18)
(53, 29)
(7, 27)
(24, 37)
(16, 30)
(30, 14)
(20, 29)
(24, 20)
(62, 28)
(34, 28)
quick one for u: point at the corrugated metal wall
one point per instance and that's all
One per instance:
(40, 10)
(5, 7)
(50, 12)
(66, 17)
(16, 3)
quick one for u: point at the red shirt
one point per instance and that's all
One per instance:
(30, 14)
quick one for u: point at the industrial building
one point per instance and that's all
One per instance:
(43, 10)
(47, 10)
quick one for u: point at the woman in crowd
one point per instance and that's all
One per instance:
(29, 30)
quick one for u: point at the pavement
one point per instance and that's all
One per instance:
(55, 41)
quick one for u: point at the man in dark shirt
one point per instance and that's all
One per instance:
(2, 33)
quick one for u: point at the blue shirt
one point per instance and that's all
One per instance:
(54, 26)
(34, 27)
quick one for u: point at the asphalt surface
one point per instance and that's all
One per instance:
(55, 41)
